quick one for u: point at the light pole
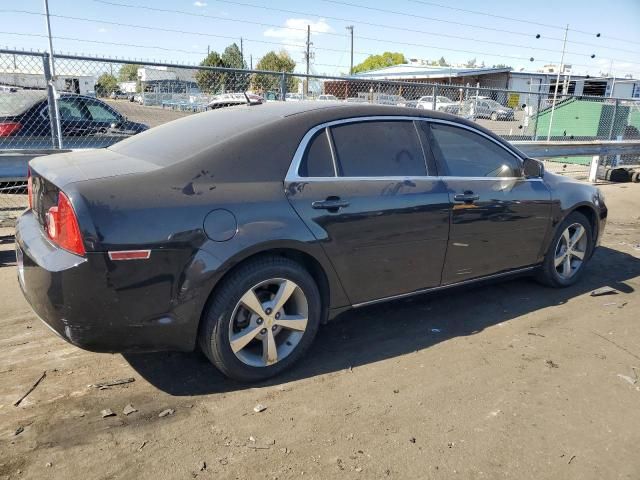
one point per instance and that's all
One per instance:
(350, 28)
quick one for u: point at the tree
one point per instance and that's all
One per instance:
(106, 84)
(232, 58)
(211, 81)
(128, 72)
(275, 62)
(442, 62)
(471, 63)
(373, 62)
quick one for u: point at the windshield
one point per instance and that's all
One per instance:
(444, 99)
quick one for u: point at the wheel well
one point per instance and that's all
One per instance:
(591, 216)
(307, 261)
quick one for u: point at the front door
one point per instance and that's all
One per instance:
(499, 218)
(363, 191)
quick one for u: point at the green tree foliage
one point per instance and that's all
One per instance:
(211, 81)
(471, 63)
(106, 84)
(128, 72)
(442, 62)
(276, 62)
(232, 58)
(372, 62)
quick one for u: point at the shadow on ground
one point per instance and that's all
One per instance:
(379, 332)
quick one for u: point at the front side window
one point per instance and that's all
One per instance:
(464, 153)
(317, 161)
(378, 149)
(70, 110)
(100, 113)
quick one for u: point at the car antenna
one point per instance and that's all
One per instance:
(249, 100)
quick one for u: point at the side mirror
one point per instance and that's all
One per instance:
(533, 168)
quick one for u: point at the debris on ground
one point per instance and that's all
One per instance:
(112, 383)
(535, 334)
(33, 387)
(168, 411)
(107, 412)
(19, 430)
(259, 408)
(129, 409)
(412, 439)
(48, 464)
(202, 466)
(571, 459)
(142, 446)
(603, 291)
(552, 364)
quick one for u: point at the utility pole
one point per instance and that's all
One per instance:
(350, 28)
(555, 90)
(251, 61)
(242, 51)
(208, 50)
(307, 57)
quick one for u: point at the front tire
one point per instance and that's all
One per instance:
(262, 319)
(568, 253)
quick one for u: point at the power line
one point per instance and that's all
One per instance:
(451, 22)
(171, 30)
(107, 2)
(361, 22)
(227, 19)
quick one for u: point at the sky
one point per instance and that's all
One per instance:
(503, 32)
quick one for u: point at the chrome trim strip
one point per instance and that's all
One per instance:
(444, 287)
(333, 152)
(293, 175)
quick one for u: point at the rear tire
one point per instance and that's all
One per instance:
(247, 332)
(568, 253)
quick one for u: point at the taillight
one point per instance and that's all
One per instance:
(62, 226)
(9, 128)
(29, 189)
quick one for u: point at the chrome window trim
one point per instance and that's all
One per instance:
(293, 171)
(333, 151)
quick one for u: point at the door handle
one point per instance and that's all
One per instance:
(332, 204)
(466, 197)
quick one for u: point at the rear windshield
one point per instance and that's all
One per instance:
(15, 103)
(179, 140)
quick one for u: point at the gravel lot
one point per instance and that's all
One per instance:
(511, 380)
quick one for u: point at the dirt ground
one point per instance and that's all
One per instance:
(511, 380)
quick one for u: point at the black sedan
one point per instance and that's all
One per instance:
(242, 230)
(25, 114)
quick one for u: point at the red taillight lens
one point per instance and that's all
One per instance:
(9, 128)
(29, 189)
(62, 226)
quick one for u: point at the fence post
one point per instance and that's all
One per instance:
(593, 171)
(613, 119)
(283, 86)
(435, 94)
(535, 123)
(54, 119)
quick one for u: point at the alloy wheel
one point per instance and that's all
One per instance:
(570, 251)
(268, 322)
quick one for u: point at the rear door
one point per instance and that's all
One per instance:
(499, 218)
(363, 189)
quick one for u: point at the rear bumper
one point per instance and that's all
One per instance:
(86, 301)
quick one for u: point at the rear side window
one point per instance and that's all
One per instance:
(378, 149)
(468, 154)
(317, 161)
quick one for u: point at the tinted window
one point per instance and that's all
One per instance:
(468, 154)
(378, 149)
(317, 160)
(70, 110)
(100, 113)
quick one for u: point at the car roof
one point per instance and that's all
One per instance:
(249, 143)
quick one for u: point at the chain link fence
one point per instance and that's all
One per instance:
(78, 102)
